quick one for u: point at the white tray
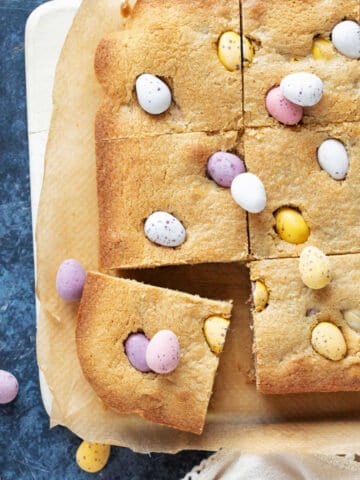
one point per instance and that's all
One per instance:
(45, 33)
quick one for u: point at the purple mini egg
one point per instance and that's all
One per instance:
(223, 167)
(9, 387)
(163, 352)
(135, 349)
(70, 280)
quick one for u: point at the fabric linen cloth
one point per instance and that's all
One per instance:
(232, 465)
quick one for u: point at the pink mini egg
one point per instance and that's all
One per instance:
(282, 109)
(70, 280)
(163, 352)
(9, 387)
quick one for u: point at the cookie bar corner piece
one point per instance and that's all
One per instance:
(307, 340)
(111, 310)
(171, 48)
(287, 37)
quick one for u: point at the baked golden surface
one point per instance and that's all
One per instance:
(285, 359)
(283, 32)
(286, 161)
(137, 177)
(111, 309)
(176, 41)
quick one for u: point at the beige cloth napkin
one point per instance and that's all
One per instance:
(232, 465)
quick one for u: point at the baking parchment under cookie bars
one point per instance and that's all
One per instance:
(68, 227)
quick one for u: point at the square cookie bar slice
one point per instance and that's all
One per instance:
(308, 340)
(292, 36)
(157, 205)
(306, 203)
(178, 43)
(111, 310)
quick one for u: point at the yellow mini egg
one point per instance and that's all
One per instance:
(328, 341)
(260, 296)
(215, 329)
(229, 50)
(248, 52)
(291, 226)
(352, 318)
(92, 457)
(322, 49)
(314, 268)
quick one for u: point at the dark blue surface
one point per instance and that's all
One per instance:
(28, 449)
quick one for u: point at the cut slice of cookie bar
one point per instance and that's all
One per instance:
(287, 160)
(178, 43)
(112, 309)
(298, 323)
(292, 36)
(138, 178)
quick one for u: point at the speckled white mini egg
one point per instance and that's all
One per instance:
(333, 158)
(302, 88)
(248, 191)
(153, 95)
(164, 229)
(346, 38)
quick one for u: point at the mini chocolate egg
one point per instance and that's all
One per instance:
(302, 88)
(352, 318)
(135, 348)
(229, 50)
(215, 329)
(70, 280)
(322, 49)
(291, 226)
(164, 229)
(92, 457)
(9, 387)
(260, 295)
(345, 37)
(314, 268)
(163, 352)
(223, 167)
(281, 109)
(328, 341)
(153, 95)
(248, 191)
(333, 158)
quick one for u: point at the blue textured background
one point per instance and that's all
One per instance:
(28, 449)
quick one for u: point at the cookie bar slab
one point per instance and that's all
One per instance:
(282, 33)
(286, 161)
(137, 177)
(176, 41)
(285, 359)
(111, 309)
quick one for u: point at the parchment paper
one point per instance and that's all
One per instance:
(239, 417)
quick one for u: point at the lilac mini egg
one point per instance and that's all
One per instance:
(163, 352)
(135, 349)
(282, 109)
(70, 280)
(9, 387)
(223, 167)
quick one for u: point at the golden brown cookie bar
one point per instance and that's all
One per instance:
(286, 362)
(176, 41)
(110, 310)
(137, 177)
(283, 32)
(286, 161)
